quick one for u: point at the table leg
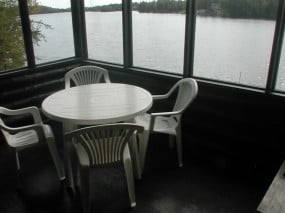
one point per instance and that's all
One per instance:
(67, 147)
(135, 154)
(135, 157)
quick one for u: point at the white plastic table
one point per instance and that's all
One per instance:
(95, 104)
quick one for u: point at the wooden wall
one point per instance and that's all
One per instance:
(229, 127)
(233, 127)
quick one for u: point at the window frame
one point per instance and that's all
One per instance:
(81, 50)
(276, 49)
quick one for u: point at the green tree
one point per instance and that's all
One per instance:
(12, 50)
(11, 39)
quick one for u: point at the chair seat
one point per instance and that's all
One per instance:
(24, 138)
(29, 137)
(162, 124)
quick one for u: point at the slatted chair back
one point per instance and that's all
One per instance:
(4, 132)
(86, 75)
(104, 144)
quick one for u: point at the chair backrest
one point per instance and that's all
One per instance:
(86, 75)
(187, 92)
(5, 133)
(104, 144)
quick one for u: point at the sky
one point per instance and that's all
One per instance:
(66, 3)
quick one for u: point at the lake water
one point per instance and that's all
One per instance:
(231, 50)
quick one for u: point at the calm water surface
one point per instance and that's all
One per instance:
(232, 50)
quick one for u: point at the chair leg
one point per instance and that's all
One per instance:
(75, 170)
(19, 176)
(18, 161)
(67, 147)
(130, 181)
(171, 141)
(179, 147)
(136, 157)
(55, 156)
(77, 178)
(143, 143)
(85, 189)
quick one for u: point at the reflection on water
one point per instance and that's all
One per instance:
(234, 50)
(58, 42)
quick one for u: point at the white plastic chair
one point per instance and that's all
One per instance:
(99, 146)
(86, 75)
(24, 137)
(168, 122)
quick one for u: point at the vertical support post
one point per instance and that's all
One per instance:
(276, 48)
(127, 33)
(27, 33)
(190, 25)
(79, 29)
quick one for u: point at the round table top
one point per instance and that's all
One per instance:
(99, 103)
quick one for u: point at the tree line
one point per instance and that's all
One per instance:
(44, 9)
(256, 9)
(259, 9)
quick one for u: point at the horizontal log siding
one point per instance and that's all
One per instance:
(29, 88)
(236, 126)
(233, 124)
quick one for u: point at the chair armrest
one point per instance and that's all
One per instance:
(164, 96)
(37, 127)
(34, 111)
(66, 82)
(107, 78)
(159, 97)
(165, 113)
(153, 115)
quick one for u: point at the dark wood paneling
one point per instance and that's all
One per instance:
(234, 124)
(29, 88)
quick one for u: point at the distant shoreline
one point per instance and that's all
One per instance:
(217, 12)
(182, 13)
